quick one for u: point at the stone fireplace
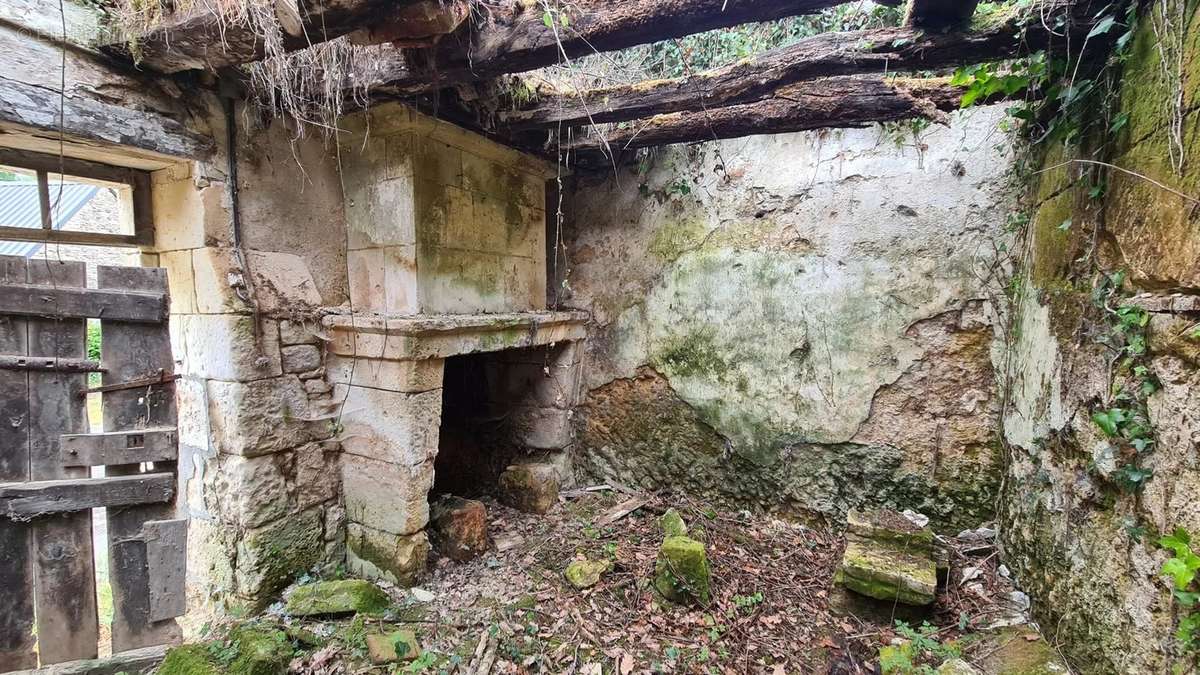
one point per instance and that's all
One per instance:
(448, 302)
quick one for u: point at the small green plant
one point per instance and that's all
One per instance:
(919, 654)
(1125, 421)
(748, 601)
(1181, 567)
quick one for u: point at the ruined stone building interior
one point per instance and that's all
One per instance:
(569, 336)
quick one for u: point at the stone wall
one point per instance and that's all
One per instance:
(258, 460)
(799, 323)
(1080, 543)
(441, 220)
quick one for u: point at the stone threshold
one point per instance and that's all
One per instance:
(439, 336)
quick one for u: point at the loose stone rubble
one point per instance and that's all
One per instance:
(458, 528)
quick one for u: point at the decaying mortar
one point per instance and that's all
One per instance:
(800, 341)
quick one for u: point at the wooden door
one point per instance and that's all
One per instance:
(48, 483)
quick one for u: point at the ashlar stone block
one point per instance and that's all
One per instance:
(402, 376)
(384, 496)
(373, 554)
(225, 347)
(259, 417)
(390, 426)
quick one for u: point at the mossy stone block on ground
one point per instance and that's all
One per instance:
(885, 571)
(188, 660)
(672, 524)
(346, 596)
(260, 651)
(399, 645)
(586, 573)
(532, 488)
(1017, 650)
(890, 526)
(681, 573)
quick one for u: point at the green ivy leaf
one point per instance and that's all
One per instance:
(1178, 570)
(1102, 27)
(1119, 122)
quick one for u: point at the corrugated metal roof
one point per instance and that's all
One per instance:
(20, 207)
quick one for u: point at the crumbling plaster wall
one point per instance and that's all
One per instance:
(801, 323)
(1083, 547)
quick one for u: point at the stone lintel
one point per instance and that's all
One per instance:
(419, 337)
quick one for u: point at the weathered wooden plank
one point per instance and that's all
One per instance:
(33, 108)
(131, 351)
(69, 237)
(166, 556)
(17, 643)
(820, 104)
(49, 364)
(134, 662)
(65, 579)
(82, 303)
(120, 447)
(32, 499)
(882, 50)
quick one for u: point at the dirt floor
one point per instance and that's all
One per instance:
(773, 606)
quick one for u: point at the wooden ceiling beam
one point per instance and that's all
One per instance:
(835, 102)
(527, 37)
(828, 54)
(207, 40)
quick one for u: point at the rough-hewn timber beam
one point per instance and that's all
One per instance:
(939, 14)
(30, 108)
(828, 54)
(833, 102)
(205, 39)
(521, 40)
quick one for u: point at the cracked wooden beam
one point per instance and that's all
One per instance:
(35, 110)
(939, 14)
(207, 40)
(835, 102)
(825, 55)
(524, 38)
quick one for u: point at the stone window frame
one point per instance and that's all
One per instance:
(137, 180)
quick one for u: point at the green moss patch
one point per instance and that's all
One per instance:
(681, 573)
(346, 596)
(189, 660)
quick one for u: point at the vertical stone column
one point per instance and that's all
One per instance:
(389, 420)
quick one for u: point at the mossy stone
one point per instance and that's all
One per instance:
(884, 571)
(346, 596)
(681, 573)
(1017, 650)
(887, 525)
(672, 524)
(586, 573)
(957, 667)
(398, 645)
(188, 660)
(260, 651)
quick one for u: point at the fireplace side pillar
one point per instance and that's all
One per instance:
(389, 429)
